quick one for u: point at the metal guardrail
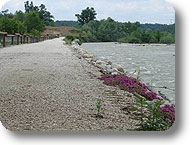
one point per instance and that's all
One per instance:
(17, 39)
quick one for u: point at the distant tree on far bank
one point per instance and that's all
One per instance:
(86, 16)
(159, 27)
(109, 30)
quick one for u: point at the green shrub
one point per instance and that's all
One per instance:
(75, 31)
(70, 37)
(167, 39)
(35, 32)
(52, 23)
(129, 39)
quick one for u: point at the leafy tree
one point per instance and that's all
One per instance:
(6, 13)
(91, 28)
(20, 16)
(159, 27)
(130, 27)
(21, 27)
(168, 39)
(109, 30)
(153, 39)
(86, 16)
(146, 36)
(33, 21)
(44, 14)
(8, 25)
(13, 24)
(136, 34)
(157, 36)
(30, 7)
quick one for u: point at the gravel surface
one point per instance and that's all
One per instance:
(44, 86)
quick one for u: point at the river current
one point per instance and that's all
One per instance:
(156, 62)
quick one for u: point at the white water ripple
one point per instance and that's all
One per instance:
(156, 63)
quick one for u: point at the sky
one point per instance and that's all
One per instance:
(143, 11)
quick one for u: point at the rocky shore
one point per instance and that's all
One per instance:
(105, 66)
(115, 75)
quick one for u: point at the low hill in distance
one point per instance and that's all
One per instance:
(66, 23)
(154, 27)
(160, 27)
(62, 30)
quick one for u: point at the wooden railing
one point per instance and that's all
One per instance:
(6, 39)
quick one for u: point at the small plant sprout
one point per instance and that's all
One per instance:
(99, 106)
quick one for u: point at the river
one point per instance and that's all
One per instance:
(156, 62)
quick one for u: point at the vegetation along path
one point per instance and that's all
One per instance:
(44, 86)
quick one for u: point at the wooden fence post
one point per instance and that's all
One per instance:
(30, 39)
(24, 36)
(21, 39)
(12, 40)
(17, 39)
(17, 35)
(4, 43)
(48, 36)
(4, 36)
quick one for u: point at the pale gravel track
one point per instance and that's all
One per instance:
(44, 86)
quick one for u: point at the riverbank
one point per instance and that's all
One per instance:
(45, 86)
(156, 63)
(147, 100)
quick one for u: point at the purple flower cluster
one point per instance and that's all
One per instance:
(170, 109)
(130, 84)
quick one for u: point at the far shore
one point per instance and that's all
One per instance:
(154, 44)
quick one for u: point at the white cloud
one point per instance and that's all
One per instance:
(153, 11)
(2, 2)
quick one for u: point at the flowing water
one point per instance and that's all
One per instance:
(156, 62)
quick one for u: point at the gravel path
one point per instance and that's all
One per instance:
(44, 86)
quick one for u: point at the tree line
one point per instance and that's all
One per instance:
(32, 21)
(109, 30)
(88, 29)
(161, 27)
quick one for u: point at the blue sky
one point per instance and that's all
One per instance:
(144, 11)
